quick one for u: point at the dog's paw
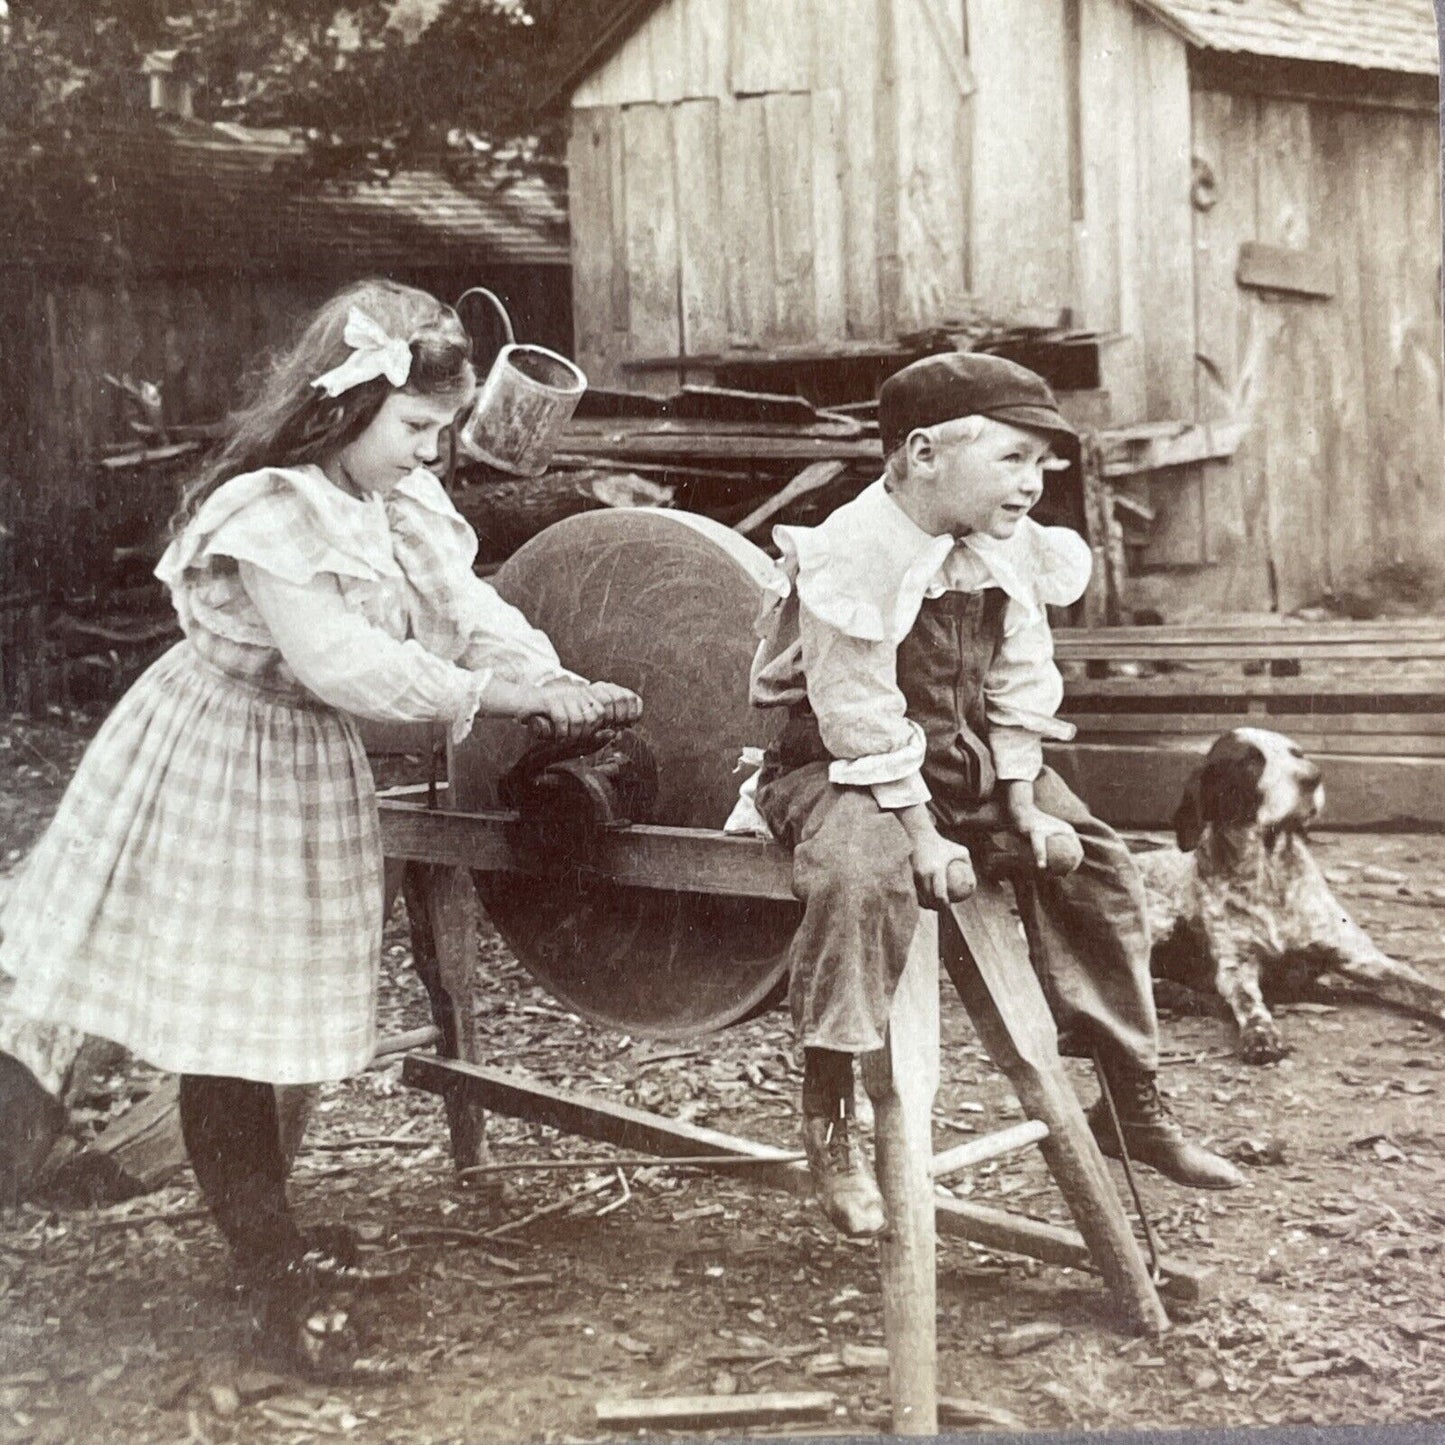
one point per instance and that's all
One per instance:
(1260, 1042)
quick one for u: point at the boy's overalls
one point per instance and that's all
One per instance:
(852, 862)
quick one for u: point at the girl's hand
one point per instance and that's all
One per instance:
(622, 706)
(565, 711)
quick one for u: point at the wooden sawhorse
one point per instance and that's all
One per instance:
(983, 952)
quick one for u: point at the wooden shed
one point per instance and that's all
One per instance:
(1241, 197)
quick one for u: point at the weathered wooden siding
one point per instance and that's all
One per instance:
(784, 186)
(852, 169)
(1344, 472)
(195, 336)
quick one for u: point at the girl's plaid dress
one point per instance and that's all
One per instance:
(209, 892)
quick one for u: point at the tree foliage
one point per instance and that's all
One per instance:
(371, 84)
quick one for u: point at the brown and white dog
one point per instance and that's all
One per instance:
(1242, 899)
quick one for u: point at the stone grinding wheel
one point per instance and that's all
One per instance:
(662, 602)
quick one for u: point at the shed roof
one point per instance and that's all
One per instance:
(1391, 35)
(194, 195)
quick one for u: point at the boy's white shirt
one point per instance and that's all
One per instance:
(860, 579)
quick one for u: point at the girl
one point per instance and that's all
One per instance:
(208, 892)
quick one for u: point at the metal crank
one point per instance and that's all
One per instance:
(568, 795)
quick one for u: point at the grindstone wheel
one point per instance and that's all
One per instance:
(664, 603)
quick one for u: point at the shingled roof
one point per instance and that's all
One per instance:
(189, 195)
(1391, 35)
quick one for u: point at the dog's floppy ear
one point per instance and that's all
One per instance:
(1188, 816)
(1224, 793)
(1229, 793)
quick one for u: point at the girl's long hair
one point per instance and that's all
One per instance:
(287, 422)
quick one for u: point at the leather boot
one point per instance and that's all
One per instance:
(1151, 1134)
(842, 1179)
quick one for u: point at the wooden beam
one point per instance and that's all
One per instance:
(1285, 268)
(715, 1412)
(1208, 442)
(632, 1129)
(990, 1146)
(682, 860)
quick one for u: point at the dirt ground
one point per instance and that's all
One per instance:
(1326, 1301)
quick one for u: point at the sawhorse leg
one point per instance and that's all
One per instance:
(902, 1080)
(441, 904)
(986, 958)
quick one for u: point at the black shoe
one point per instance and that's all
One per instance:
(842, 1179)
(295, 1332)
(1152, 1136)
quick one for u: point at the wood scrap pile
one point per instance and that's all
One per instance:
(721, 452)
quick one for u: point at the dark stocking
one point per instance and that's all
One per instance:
(231, 1134)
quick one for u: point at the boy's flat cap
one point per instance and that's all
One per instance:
(968, 383)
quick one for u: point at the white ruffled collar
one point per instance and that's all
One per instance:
(868, 567)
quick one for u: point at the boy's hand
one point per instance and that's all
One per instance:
(1055, 845)
(942, 871)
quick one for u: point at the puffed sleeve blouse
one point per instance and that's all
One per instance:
(369, 604)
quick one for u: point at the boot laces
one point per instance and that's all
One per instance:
(1142, 1103)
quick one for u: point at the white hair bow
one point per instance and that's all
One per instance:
(373, 354)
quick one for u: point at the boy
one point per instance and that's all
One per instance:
(913, 651)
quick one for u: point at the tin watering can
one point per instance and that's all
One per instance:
(521, 408)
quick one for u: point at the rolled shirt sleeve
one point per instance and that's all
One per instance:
(356, 667)
(862, 714)
(1022, 695)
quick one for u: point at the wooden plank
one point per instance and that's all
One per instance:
(744, 154)
(1082, 640)
(701, 222)
(932, 161)
(1224, 216)
(1285, 649)
(1413, 731)
(772, 47)
(902, 1080)
(991, 1146)
(1140, 787)
(1314, 742)
(1102, 78)
(627, 1128)
(856, 39)
(1213, 441)
(651, 229)
(1406, 432)
(887, 180)
(1021, 246)
(588, 1117)
(1288, 269)
(830, 235)
(986, 958)
(1166, 301)
(811, 479)
(667, 58)
(721, 447)
(589, 191)
(1297, 522)
(705, 34)
(625, 79)
(788, 125)
(1178, 684)
(1347, 472)
(1122, 362)
(688, 860)
(716, 1412)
